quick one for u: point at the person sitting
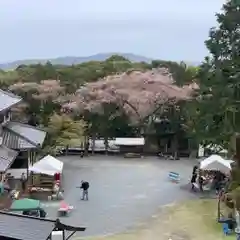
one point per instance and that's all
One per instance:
(26, 213)
(42, 213)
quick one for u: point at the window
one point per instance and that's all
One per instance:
(21, 161)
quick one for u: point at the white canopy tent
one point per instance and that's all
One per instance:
(216, 163)
(47, 165)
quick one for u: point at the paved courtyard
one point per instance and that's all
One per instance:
(123, 192)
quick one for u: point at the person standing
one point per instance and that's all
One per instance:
(23, 182)
(200, 181)
(194, 177)
(195, 169)
(85, 187)
(193, 180)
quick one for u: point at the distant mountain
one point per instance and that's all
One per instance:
(74, 60)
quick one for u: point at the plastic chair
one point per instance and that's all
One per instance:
(174, 177)
(226, 229)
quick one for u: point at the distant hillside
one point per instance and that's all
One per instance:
(74, 60)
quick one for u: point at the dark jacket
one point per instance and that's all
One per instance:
(85, 186)
(195, 168)
(200, 180)
(194, 178)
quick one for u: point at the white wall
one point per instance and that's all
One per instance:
(16, 173)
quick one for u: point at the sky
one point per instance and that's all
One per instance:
(159, 29)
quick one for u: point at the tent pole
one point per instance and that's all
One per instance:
(28, 161)
(70, 235)
(63, 235)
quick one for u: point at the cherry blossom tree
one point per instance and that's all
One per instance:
(39, 98)
(45, 90)
(140, 95)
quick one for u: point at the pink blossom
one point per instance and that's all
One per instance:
(43, 91)
(138, 93)
(24, 87)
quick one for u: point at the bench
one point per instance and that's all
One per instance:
(174, 177)
(132, 155)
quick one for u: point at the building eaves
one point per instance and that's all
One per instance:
(21, 227)
(7, 156)
(30, 134)
(13, 141)
(8, 100)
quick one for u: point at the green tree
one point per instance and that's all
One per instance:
(116, 64)
(8, 78)
(218, 108)
(40, 98)
(181, 72)
(64, 132)
(37, 72)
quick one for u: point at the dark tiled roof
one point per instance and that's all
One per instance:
(22, 136)
(22, 227)
(7, 156)
(31, 134)
(7, 100)
(13, 141)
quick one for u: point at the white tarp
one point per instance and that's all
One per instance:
(130, 141)
(100, 145)
(214, 148)
(47, 165)
(216, 163)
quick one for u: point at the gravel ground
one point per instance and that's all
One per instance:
(123, 194)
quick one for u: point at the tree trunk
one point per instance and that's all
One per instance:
(66, 151)
(175, 147)
(193, 153)
(193, 148)
(93, 143)
(106, 144)
(238, 150)
(86, 145)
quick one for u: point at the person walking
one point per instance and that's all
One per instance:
(85, 187)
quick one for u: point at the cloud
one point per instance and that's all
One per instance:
(90, 9)
(163, 29)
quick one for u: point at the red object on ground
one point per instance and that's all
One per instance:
(57, 176)
(64, 205)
